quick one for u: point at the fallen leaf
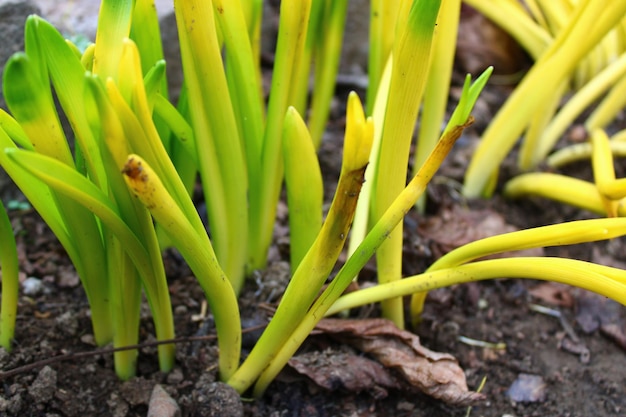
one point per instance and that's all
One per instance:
(553, 293)
(458, 226)
(594, 310)
(436, 374)
(612, 256)
(615, 333)
(482, 43)
(336, 370)
(576, 347)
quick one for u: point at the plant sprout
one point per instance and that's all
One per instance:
(10, 280)
(124, 194)
(605, 196)
(571, 45)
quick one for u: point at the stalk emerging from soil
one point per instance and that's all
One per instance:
(317, 264)
(10, 279)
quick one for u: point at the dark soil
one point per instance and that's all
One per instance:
(578, 358)
(55, 322)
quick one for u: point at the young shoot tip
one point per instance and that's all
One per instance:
(359, 135)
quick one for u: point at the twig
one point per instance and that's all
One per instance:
(78, 355)
(481, 343)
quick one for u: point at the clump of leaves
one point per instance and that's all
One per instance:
(137, 156)
(577, 49)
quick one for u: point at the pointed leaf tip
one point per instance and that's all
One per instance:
(359, 135)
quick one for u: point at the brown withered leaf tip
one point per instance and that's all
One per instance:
(134, 170)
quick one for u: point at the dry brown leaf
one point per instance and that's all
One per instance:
(594, 310)
(612, 257)
(482, 43)
(436, 374)
(553, 293)
(335, 370)
(458, 226)
(615, 332)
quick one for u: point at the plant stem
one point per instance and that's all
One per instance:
(10, 280)
(379, 233)
(610, 282)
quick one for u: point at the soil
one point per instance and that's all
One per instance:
(54, 321)
(571, 366)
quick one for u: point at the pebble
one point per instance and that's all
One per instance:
(405, 406)
(12, 405)
(175, 376)
(4, 404)
(67, 277)
(67, 323)
(32, 286)
(527, 389)
(136, 391)
(44, 386)
(88, 339)
(117, 406)
(4, 356)
(216, 399)
(162, 404)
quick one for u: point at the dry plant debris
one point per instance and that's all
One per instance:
(457, 226)
(405, 363)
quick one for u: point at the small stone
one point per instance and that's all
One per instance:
(15, 404)
(527, 389)
(89, 368)
(4, 356)
(161, 404)
(67, 323)
(44, 386)
(216, 399)
(136, 391)
(117, 406)
(175, 377)
(4, 404)
(88, 339)
(405, 406)
(32, 286)
(67, 277)
(15, 389)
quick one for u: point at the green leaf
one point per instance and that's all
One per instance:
(114, 21)
(10, 280)
(196, 247)
(178, 125)
(30, 102)
(14, 130)
(303, 179)
(219, 146)
(327, 56)
(68, 74)
(610, 282)
(411, 60)
(378, 235)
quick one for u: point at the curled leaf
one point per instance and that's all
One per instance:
(335, 370)
(458, 226)
(435, 374)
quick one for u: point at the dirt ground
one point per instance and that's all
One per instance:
(568, 359)
(576, 368)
